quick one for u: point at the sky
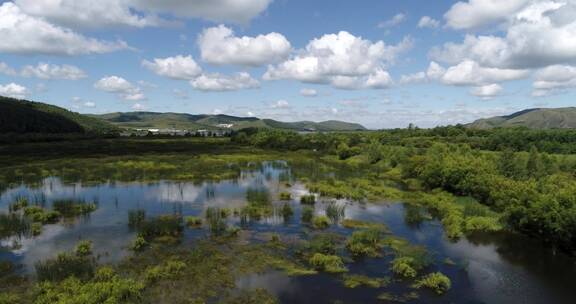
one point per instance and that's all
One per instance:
(383, 64)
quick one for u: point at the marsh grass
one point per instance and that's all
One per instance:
(193, 221)
(320, 222)
(307, 214)
(69, 208)
(328, 263)
(365, 242)
(308, 199)
(136, 217)
(18, 204)
(13, 224)
(65, 265)
(355, 280)
(216, 220)
(285, 196)
(287, 211)
(161, 226)
(335, 211)
(436, 281)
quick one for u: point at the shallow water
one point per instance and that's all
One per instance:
(490, 268)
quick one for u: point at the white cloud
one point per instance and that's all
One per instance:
(538, 35)
(478, 13)
(218, 45)
(471, 73)
(138, 107)
(24, 34)
(219, 82)
(554, 79)
(343, 60)
(308, 92)
(178, 67)
(14, 90)
(395, 20)
(281, 104)
(413, 78)
(88, 13)
(487, 91)
(428, 22)
(89, 104)
(237, 11)
(52, 71)
(6, 69)
(121, 87)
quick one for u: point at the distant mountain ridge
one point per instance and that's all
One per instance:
(204, 121)
(23, 116)
(537, 118)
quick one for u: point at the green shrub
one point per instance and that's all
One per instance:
(365, 243)
(139, 243)
(482, 223)
(193, 221)
(285, 196)
(321, 222)
(84, 248)
(404, 267)
(328, 263)
(308, 199)
(436, 281)
(307, 214)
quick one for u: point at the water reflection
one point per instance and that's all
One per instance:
(491, 268)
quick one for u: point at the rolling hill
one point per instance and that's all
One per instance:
(539, 118)
(22, 116)
(190, 122)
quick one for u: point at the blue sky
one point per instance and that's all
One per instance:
(381, 63)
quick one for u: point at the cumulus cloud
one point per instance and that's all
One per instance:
(281, 104)
(178, 67)
(236, 11)
(414, 78)
(6, 69)
(88, 13)
(554, 79)
(487, 91)
(394, 21)
(342, 60)
(219, 45)
(52, 71)
(121, 87)
(478, 13)
(138, 107)
(471, 73)
(14, 90)
(537, 35)
(428, 22)
(24, 34)
(219, 82)
(308, 92)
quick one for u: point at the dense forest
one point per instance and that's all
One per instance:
(27, 117)
(527, 176)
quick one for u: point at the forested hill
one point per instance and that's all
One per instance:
(540, 118)
(189, 121)
(22, 117)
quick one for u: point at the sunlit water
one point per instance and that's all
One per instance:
(490, 268)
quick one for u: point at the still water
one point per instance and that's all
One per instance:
(487, 268)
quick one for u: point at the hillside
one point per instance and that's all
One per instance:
(190, 122)
(22, 116)
(539, 118)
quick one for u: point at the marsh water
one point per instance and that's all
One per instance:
(483, 268)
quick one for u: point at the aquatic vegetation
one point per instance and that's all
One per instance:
(72, 208)
(39, 215)
(482, 223)
(13, 224)
(403, 298)
(355, 280)
(436, 281)
(404, 267)
(365, 243)
(324, 243)
(216, 220)
(307, 214)
(256, 296)
(136, 218)
(105, 287)
(193, 221)
(84, 248)
(287, 211)
(415, 256)
(320, 222)
(285, 196)
(139, 244)
(65, 265)
(308, 199)
(258, 196)
(161, 226)
(335, 211)
(328, 263)
(169, 270)
(358, 224)
(20, 203)
(36, 229)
